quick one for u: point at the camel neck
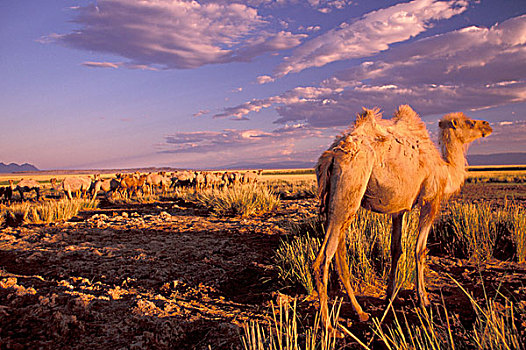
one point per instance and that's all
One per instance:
(453, 154)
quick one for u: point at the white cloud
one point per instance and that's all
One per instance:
(371, 34)
(230, 139)
(201, 112)
(175, 34)
(264, 79)
(101, 64)
(468, 69)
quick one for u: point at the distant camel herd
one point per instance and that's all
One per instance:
(130, 184)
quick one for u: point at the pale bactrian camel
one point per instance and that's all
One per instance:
(388, 166)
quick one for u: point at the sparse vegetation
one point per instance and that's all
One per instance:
(294, 188)
(44, 212)
(368, 245)
(494, 327)
(466, 235)
(286, 331)
(474, 231)
(242, 200)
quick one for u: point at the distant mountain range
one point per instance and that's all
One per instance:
(476, 159)
(276, 165)
(518, 158)
(497, 159)
(13, 167)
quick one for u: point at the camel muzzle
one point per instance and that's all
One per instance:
(488, 130)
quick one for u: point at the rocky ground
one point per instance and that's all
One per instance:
(170, 275)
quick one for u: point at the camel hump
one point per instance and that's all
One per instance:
(368, 116)
(405, 113)
(407, 120)
(370, 124)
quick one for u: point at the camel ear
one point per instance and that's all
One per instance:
(444, 124)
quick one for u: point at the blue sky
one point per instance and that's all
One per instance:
(198, 84)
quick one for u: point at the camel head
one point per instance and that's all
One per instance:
(464, 129)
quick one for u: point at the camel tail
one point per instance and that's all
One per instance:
(323, 174)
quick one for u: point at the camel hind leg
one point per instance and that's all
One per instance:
(345, 184)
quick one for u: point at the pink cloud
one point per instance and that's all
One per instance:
(101, 64)
(468, 69)
(230, 139)
(175, 34)
(373, 33)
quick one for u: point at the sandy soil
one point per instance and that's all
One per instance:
(171, 276)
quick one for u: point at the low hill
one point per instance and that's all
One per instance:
(13, 167)
(497, 159)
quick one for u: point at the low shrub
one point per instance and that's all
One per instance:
(242, 200)
(479, 232)
(44, 212)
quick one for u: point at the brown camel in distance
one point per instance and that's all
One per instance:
(388, 166)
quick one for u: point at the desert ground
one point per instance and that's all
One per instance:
(172, 275)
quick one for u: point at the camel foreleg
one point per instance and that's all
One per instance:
(427, 214)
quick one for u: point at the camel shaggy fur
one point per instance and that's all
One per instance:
(79, 185)
(388, 166)
(27, 185)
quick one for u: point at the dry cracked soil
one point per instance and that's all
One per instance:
(170, 275)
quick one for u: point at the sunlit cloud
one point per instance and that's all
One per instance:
(175, 34)
(264, 79)
(228, 139)
(100, 64)
(468, 69)
(201, 112)
(371, 34)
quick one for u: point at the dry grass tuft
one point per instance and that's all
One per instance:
(286, 331)
(241, 200)
(44, 212)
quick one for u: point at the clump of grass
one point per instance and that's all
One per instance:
(286, 332)
(294, 188)
(426, 332)
(242, 200)
(474, 231)
(494, 327)
(368, 246)
(467, 231)
(45, 212)
(294, 259)
(511, 222)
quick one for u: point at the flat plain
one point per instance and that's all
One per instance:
(169, 273)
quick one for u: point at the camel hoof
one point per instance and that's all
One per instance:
(364, 317)
(334, 332)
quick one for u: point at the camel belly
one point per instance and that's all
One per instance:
(390, 192)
